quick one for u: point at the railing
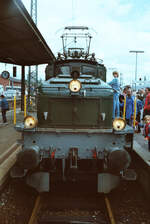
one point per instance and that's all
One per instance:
(28, 106)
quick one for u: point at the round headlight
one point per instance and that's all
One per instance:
(119, 124)
(75, 86)
(30, 122)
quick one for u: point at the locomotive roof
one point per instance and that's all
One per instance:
(92, 62)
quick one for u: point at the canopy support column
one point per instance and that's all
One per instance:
(22, 86)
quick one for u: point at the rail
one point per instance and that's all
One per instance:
(34, 218)
(109, 210)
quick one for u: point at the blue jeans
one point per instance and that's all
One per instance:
(116, 109)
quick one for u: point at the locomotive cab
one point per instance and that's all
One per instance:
(81, 108)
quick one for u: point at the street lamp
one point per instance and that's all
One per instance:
(136, 53)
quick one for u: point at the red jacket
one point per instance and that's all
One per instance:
(147, 130)
(147, 102)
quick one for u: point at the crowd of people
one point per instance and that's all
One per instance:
(133, 106)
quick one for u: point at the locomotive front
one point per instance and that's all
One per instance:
(73, 137)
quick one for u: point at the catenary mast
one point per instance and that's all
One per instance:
(33, 76)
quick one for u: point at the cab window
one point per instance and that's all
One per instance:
(88, 70)
(62, 70)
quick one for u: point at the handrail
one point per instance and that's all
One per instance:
(14, 109)
(124, 108)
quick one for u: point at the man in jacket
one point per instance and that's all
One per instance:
(4, 107)
(139, 107)
(129, 107)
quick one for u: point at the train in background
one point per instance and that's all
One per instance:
(1, 89)
(72, 137)
(11, 91)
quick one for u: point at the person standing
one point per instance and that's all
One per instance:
(147, 102)
(147, 130)
(142, 98)
(4, 107)
(116, 86)
(121, 104)
(139, 107)
(129, 107)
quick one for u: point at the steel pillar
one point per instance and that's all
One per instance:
(22, 87)
(33, 76)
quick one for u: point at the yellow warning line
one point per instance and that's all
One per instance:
(6, 165)
(8, 152)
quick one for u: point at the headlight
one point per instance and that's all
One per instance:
(75, 86)
(119, 124)
(30, 122)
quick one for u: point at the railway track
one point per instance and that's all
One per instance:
(47, 212)
(59, 207)
(18, 204)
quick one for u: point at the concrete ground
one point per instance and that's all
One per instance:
(8, 135)
(141, 147)
(139, 138)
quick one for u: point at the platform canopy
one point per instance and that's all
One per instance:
(21, 42)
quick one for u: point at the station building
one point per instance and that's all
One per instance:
(9, 82)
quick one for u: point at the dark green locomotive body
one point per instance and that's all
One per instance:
(75, 135)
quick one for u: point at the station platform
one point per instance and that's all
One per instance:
(8, 135)
(140, 146)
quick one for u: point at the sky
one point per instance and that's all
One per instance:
(117, 26)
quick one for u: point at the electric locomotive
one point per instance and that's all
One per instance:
(72, 137)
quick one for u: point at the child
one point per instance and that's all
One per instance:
(116, 86)
(147, 129)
